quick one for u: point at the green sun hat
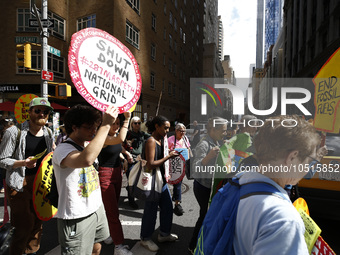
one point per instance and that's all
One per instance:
(40, 101)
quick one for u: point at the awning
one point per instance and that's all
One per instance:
(59, 106)
(7, 106)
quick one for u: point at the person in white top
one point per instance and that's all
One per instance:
(81, 218)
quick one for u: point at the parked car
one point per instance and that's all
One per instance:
(322, 192)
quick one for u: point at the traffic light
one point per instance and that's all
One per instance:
(63, 90)
(24, 55)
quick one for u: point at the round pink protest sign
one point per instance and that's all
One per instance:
(103, 70)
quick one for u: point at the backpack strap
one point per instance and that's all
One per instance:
(77, 146)
(260, 188)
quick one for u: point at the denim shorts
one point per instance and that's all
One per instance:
(77, 236)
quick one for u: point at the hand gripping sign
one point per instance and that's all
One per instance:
(103, 70)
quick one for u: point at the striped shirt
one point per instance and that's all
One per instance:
(15, 176)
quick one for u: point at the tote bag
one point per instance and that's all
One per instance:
(145, 184)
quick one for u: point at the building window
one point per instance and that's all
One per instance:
(180, 33)
(170, 41)
(198, 28)
(170, 65)
(175, 24)
(163, 59)
(23, 23)
(163, 86)
(55, 64)
(153, 52)
(174, 90)
(152, 80)
(165, 8)
(153, 22)
(175, 69)
(134, 4)
(184, 38)
(185, 19)
(59, 26)
(132, 34)
(176, 5)
(175, 47)
(170, 18)
(89, 21)
(181, 13)
(169, 89)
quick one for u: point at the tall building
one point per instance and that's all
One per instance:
(165, 37)
(269, 23)
(220, 37)
(211, 22)
(259, 34)
(273, 23)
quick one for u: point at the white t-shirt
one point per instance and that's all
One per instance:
(78, 188)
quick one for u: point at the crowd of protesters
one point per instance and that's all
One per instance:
(88, 212)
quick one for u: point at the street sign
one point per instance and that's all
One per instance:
(44, 23)
(29, 39)
(52, 50)
(32, 3)
(47, 76)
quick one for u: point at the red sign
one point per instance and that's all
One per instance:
(103, 70)
(322, 248)
(47, 76)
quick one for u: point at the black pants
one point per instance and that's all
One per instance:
(202, 195)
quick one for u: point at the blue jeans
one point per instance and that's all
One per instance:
(150, 215)
(177, 192)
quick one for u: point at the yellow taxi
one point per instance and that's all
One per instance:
(322, 192)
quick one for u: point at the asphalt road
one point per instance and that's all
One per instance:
(182, 226)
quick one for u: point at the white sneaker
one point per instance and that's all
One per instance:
(123, 251)
(108, 240)
(169, 238)
(150, 245)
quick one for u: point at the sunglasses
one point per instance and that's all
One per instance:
(182, 131)
(38, 111)
(137, 123)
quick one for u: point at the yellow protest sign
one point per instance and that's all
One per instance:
(300, 203)
(327, 95)
(312, 231)
(42, 187)
(21, 107)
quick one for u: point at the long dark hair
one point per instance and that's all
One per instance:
(159, 120)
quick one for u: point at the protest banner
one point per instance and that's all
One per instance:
(103, 70)
(22, 106)
(177, 166)
(327, 95)
(42, 187)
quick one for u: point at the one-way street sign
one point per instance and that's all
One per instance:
(44, 23)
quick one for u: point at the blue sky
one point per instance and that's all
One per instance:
(239, 23)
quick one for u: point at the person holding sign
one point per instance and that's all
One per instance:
(155, 157)
(180, 142)
(110, 175)
(18, 149)
(81, 219)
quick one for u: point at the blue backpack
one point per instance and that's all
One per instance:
(217, 232)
